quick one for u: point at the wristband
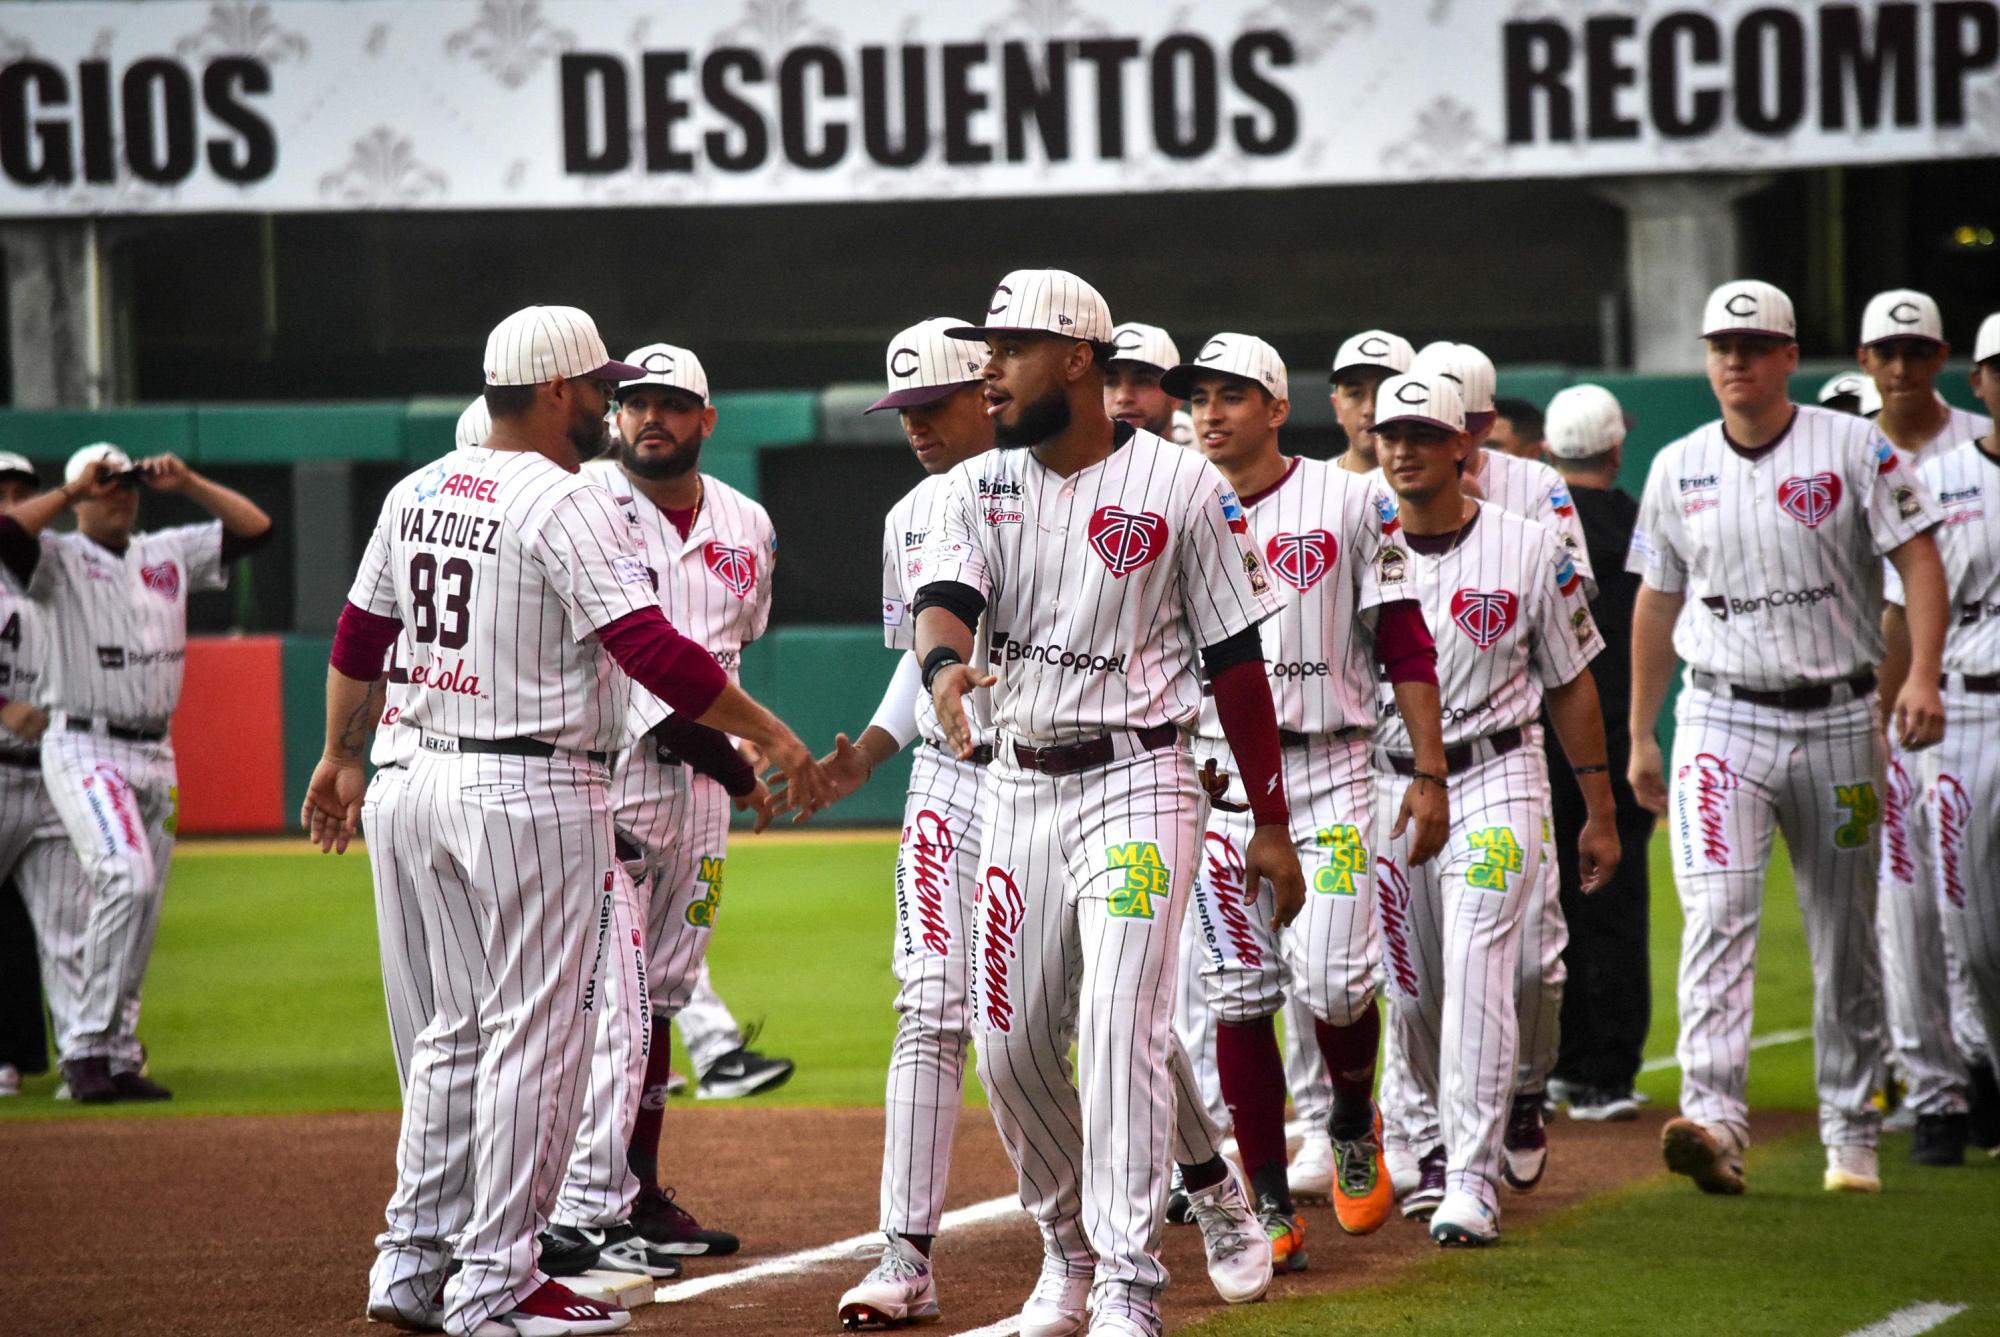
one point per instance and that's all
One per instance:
(1437, 780)
(1599, 769)
(937, 661)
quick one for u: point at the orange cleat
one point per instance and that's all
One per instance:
(1362, 1194)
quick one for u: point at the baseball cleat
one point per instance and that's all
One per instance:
(1310, 1175)
(1287, 1233)
(1421, 1201)
(1525, 1145)
(10, 1080)
(1239, 1252)
(1985, 1114)
(1852, 1169)
(1058, 1306)
(1362, 1195)
(1404, 1174)
(1940, 1139)
(553, 1310)
(89, 1081)
(742, 1072)
(677, 1083)
(1591, 1105)
(898, 1291)
(570, 1251)
(1463, 1221)
(1694, 1151)
(1558, 1093)
(626, 1250)
(132, 1086)
(1178, 1211)
(667, 1224)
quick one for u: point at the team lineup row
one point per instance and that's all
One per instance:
(1379, 823)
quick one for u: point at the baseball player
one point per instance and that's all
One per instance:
(1102, 560)
(1902, 351)
(1322, 531)
(1774, 519)
(1140, 355)
(116, 606)
(1360, 365)
(1959, 774)
(1518, 430)
(24, 810)
(1842, 392)
(711, 551)
(525, 594)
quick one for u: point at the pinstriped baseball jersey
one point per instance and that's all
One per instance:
(1534, 491)
(1966, 482)
(1507, 609)
(395, 743)
(1958, 426)
(1102, 587)
(118, 633)
(21, 652)
(1321, 533)
(1778, 553)
(501, 566)
(714, 585)
(905, 534)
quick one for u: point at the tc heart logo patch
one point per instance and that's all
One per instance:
(734, 566)
(1126, 540)
(1485, 615)
(163, 580)
(1301, 559)
(1810, 500)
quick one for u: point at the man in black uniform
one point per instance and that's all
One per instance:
(1608, 1003)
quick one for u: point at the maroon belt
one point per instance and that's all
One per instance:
(1981, 684)
(1459, 758)
(1062, 758)
(1813, 696)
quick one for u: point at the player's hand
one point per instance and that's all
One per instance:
(948, 691)
(100, 483)
(1646, 772)
(1919, 717)
(1597, 852)
(1273, 858)
(758, 801)
(1216, 783)
(846, 769)
(805, 783)
(332, 811)
(165, 473)
(24, 720)
(1426, 804)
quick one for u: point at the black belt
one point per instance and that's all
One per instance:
(523, 747)
(981, 755)
(1460, 757)
(1293, 738)
(118, 731)
(1811, 697)
(31, 760)
(1981, 684)
(1063, 758)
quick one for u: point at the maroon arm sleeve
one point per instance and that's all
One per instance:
(709, 751)
(361, 643)
(1403, 644)
(664, 662)
(1250, 724)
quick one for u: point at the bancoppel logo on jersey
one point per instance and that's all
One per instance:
(1764, 603)
(1010, 651)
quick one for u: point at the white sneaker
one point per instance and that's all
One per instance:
(1404, 1172)
(1464, 1222)
(1310, 1175)
(1239, 1252)
(899, 1290)
(1059, 1304)
(10, 1080)
(1852, 1169)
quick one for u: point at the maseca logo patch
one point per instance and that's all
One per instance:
(735, 567)
(1301, 559)
(1485, 615)
(1126, 540)
(1810, 500)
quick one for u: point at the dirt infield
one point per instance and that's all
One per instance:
(206, 1226)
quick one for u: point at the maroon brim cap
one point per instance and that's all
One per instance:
(917, 396)
(1422, 420)
(617, 371)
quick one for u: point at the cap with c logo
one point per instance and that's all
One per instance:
(1413, 397)
(669, 367)
(1901, 313)
(1378, 349)
(926, 364)
(1148, 345)
(1749, 306)
(1243, 356)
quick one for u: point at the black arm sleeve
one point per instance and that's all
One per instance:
(708, 751)
(18, 549)
(960, 600)
(1245, 647)
(234, 547)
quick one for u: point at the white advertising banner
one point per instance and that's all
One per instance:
(180, 106)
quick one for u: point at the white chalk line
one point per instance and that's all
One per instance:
(1767, 1041)
(1911, 1320)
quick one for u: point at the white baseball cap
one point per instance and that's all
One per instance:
(667, 365)
(1584, 420)
(1901, 313)
(474, 426)
(1419, 397)
(1373, 348)
(1749, 306)
(1148, 345)
(80, 463)
(1987, 343)
(10, 463)
(1845, 384)
(539, 343)
(1871, 398)
(925, 364)
(1242, 355)
(1462, 364)
(1043, 301)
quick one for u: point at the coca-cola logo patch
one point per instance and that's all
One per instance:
(163, 580)
(1485, 615)
(734, 566)
(1126, 540)
(1301, 559)
(1810, 500)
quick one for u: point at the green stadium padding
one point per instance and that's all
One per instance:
(828, 680)
(302, 682)
(287, 433)
(50, 436)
